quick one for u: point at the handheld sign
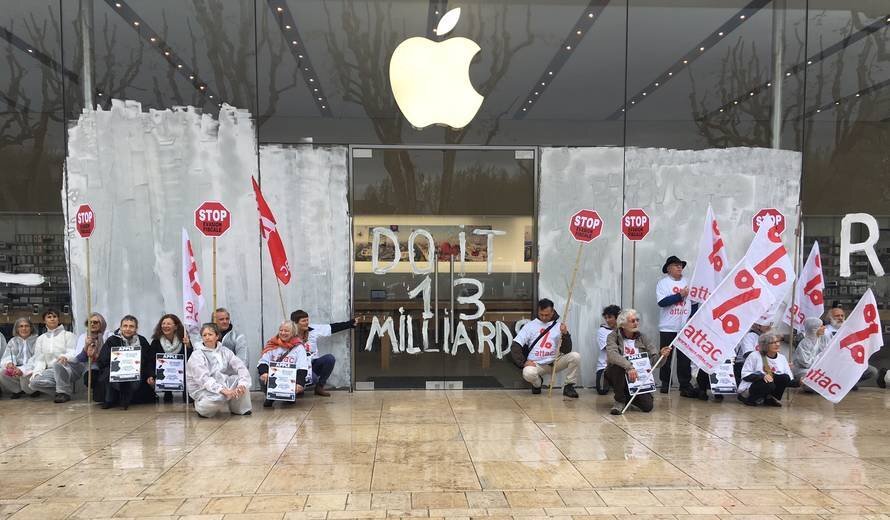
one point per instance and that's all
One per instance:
(85, 220)
(212, 219)
(282, 385)
(585, 225)
(635, 224)
(169, 371)
(125, 364)
(771, 217)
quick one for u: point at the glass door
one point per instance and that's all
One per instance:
(444, 264)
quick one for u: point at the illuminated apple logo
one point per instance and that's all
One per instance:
(431, 80)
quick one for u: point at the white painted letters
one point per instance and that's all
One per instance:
(868, 246)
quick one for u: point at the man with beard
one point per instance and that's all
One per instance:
(836, 317)
(624, 343)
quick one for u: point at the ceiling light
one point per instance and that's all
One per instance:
(568, 47)
(720, 33)
(701, 49)
(294, 42)
(787, 74)
(590, 15)
(742, 17)
(550, 73)
(685, 62)
(280, 9)
(656, 84)
(287, 26)
(117, 4)
(136, 24)
(153, 39)
(578, 32)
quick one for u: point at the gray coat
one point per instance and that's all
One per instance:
(615, 349)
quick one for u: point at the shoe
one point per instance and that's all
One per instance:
(34, 394)
(62, 398)
(772, 401)
(168, 397)
(106, 405)
(569, 391)
(882, 381)
(319, 390)
(855, 388)
(664, 389)
(718, 398)
(688, 392)
(616, 408)
(268, 403)
(702, 394)
(536, 389)
(17, 395)
(248, 412)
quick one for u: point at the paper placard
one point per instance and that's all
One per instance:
(723, 379)
(645, 382)
(169, 372)
(125, 364)
(282, 382)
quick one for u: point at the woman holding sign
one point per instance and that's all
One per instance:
(170, 338)
(127, 363)
(286, 347)
(217, 379)
(626, 347)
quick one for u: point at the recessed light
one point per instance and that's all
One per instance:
(701, 49)
(720, 33)
(742, 17)
(31, 50)
(670, 73)
(550, 73)
(590, 15)
(644, 93)
(280, 9)
(136, 24)
(117, 4)
(287, 26)
(787, 74)
(180, 65)
(578, 32)
(294, 42)
(153, 39)
(656, 84)
(568, 47)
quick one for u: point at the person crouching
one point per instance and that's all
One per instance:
(216, 378)
(765, 374)
(625, 341)
(285, 347)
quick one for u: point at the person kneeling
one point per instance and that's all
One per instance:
(765, 374)
(285, 347)
(216, 378)
(624, 342)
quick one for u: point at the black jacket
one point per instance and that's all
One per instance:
(147, 368)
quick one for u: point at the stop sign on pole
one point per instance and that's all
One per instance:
(770, 217)
(85, 220)
(212, 219)
(635, 224)
(585, 225)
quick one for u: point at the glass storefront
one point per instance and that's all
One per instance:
(626, 78)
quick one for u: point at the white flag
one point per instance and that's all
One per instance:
(846, 358)
(710, 336)
(192, 298)
(769, 258)
(809, 301)
(711, 264)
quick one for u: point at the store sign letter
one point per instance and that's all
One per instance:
(867, 247)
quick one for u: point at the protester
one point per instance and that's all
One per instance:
(284, 347)
(15, 376)
(621, 342)
(170, 337)
(217, 379)
(128, 392)
(672, 293)
(230, 337)
(746, 346)
(534, 350)
(322, 366)
(808, 349)
(765, 374)
(610, 318)
(55, 346)
(89, 344)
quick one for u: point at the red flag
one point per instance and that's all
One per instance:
(269, 230)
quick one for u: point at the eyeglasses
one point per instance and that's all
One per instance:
(94, 322)
(635, 320)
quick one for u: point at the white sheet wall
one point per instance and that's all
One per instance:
(145, 173)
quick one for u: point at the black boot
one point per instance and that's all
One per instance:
(168, 397)
(268, 403)
(881, 381)
(569, 391)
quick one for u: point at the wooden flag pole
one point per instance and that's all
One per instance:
(564, 316)
(89, 312)
(281, 297)
(798, 244)
(213, 275)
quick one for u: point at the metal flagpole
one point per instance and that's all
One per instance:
(629, 401)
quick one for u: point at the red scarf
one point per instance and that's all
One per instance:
(277, 342)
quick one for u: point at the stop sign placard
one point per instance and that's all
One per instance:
(635, 224)
(85, 220)
(770, 217)
(212, 219)
(585, 225)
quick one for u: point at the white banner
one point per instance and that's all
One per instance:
(846, 358)
(711, 264)
(710, 337)
(809, 301)
(192, 298)
(769, 258)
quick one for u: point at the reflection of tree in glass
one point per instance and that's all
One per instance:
(361, 63)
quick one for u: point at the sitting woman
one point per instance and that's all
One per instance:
(217, 379)
(89, 345)
(622, 344)
(128, 392)
(766, 373)
(16, 360)
(813, 343)
(285, 347)
(170, 338)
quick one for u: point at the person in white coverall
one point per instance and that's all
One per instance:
(216, 378)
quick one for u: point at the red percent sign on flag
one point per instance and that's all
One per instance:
(585, 225)
(85, 220)
(635, 224)
(212, 219)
